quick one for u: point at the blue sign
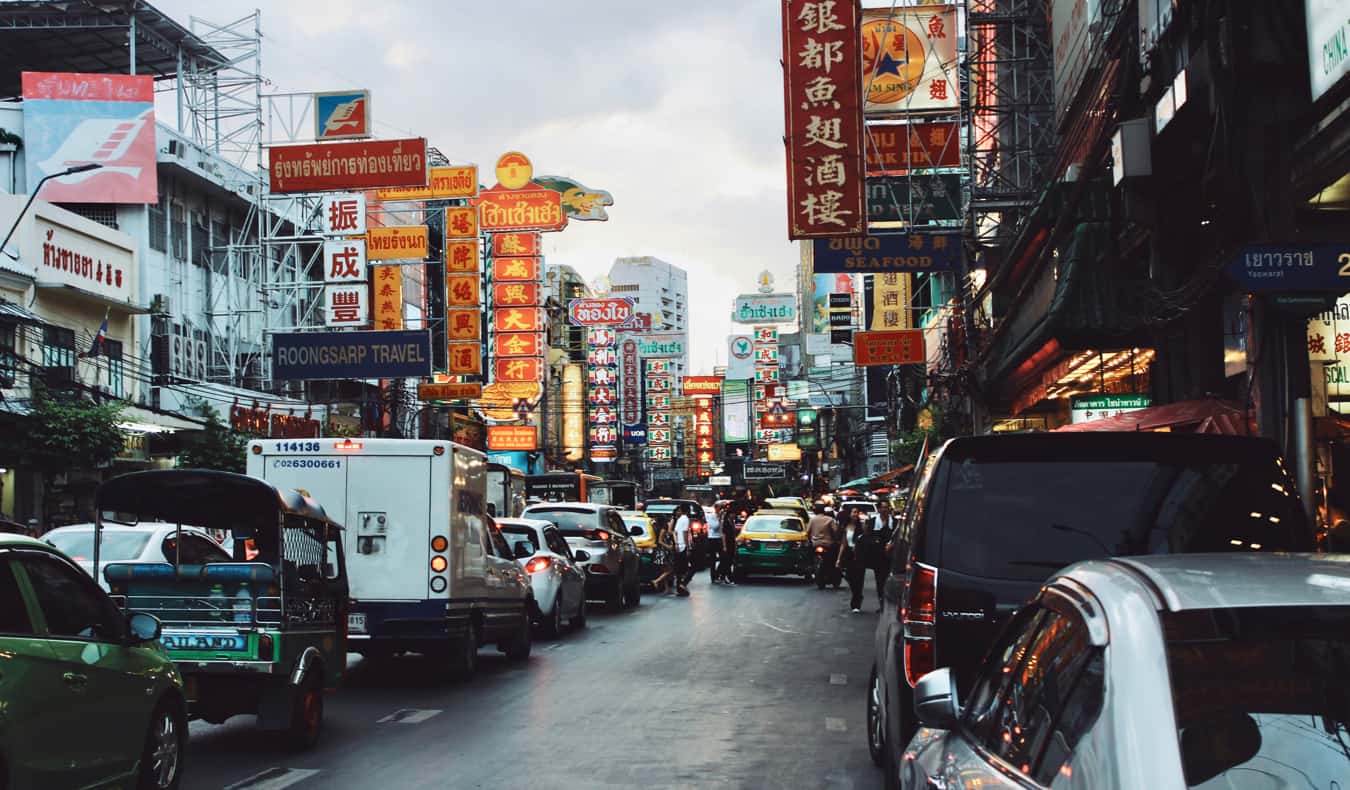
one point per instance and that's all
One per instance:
(635, 434)
(351, 355)
(341, 115)
(516, 459)
(910, 252)
(1312, 267)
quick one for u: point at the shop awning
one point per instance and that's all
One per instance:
(141, 420)
(1191, 416)
(886, 477)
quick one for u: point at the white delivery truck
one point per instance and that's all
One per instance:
(428, 570)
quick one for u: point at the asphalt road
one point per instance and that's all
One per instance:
(759, 685)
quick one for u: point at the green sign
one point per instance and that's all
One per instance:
(1085, 408)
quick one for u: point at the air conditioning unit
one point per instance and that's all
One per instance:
(176, 148)
(160, 304)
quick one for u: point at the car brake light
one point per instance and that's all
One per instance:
(599, 534)
(919, 618)
(538, 564)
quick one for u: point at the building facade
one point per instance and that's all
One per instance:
(658, 289)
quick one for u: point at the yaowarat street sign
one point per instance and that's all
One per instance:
(368, 164)
(822, 72)
(898, 347)
(450, 391)
(454, 181)
(512, 437)
(516, 269)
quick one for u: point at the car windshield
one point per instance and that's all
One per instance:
(773, 524)
(515, 535)
(78, 544)
(1261, 692)
(1025, 519)
(572, 522)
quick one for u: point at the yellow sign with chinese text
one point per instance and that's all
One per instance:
(463, 324)
(461, 290)
(461, 256)
(890, 301)
(464, 358)
(461, 222)
(386, 285)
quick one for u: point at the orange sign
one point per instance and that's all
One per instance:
(462, 324)
(515, 295)
(386, 285)
(898, 347)
(518, 319)
(519, 269)
(517, 344)
(521, 369)
(397, 243)
(512, 437)
(464, 358)
(455, 181)
(449, 391)
(461, 256)
(521, 209)
(461, 222)
(461, 290)
(500, 397)
(504, 244)
(701, 385)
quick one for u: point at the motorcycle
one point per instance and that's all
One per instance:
(825, 570)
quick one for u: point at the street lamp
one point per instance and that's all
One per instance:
(69, 171)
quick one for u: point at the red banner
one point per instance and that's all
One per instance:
(462, 324)
(516, 269)
(521, 319)
(368, 164)
(506, 244)
(461, 256)
(822, 96)
(701, 385)
(522, 369)
(516, 294)
(517, 344)
(464, 358)
(512, 437)
(896, 147)
(520, 209)
(897, 347)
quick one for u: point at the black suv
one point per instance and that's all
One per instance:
(995, 516)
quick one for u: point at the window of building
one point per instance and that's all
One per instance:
(102, 213)
(201, 241)
(159, 225)
(9, 354)
(178, 234)
(58, 347)
(112, 350)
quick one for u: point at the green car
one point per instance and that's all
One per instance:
(773, 542)
(88, 697)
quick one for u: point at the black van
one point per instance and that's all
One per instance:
(995, 516)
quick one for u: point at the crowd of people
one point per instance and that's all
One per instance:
(855, 542)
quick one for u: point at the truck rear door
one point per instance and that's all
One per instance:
(389, 526)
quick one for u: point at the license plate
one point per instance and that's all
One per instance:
(198, 640)
(772, 545)
(356, 623)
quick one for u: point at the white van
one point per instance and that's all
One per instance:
(429, 571)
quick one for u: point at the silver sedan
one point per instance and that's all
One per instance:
(559, 585)
(1206, 670)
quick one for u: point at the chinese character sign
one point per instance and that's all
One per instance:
(602, 377)
(346, 305)
(890, 301)
(386, 286)
(343, 214)
(822, 96)
(461, 256)
(463, 324)
(344, 261)
(909, 59)
(461, 222)
(461, 290)
(464, 358)
(523, 243)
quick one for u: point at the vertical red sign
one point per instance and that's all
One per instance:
(822, 96)
(631, 394)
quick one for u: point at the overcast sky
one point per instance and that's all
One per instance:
(674, 107)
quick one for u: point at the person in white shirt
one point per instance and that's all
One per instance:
(715, 547)
(682, 546)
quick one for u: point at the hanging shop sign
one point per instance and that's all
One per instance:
(890, 301)
(520, 209)
(579, 202)
(765, 308)
(915, 145)
(603, 376)
(655, 345)
(610, 311)
(443, 183)
(740, 357)
(386, 287)
(512, 437)
(916, 199)
(367, 164)
(659, 419)
(604, 415)
(518, 319)
(910, 252)
(635, 434)
(461, 222)
(763, 470)
(342, 115)
(351, 355)
(464, 359)
(785, 452)
(516, 269)
(604, 453)
(1077, 32)
(1328, 44)
(765, 335)
(517, 344)
(630, 391)
(344, 261)
(1290, 267)
(511, 294)
(663, 454)
(500, 398)
(603, 434)
(514, 170)
(270, 425)
(701, 385)
(900, 347)
(1085, 408)
(522, 369)
(822, 71)
(343, 214)
(659, 402)
(463, 323)
(346, 305)
(461, 290)
(402, 243)
(92, 265)
(516, 244)
(450, 391)
(461, 256)
(909, 59)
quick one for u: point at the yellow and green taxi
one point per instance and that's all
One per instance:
(794, 504)
(88, 696)
(773, 542)
(643, 532)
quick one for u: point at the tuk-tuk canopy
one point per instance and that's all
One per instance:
(204, 498)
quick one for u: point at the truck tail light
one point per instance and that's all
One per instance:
(919, 618)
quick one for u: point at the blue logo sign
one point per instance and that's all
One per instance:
(351, 355)
(341, 115)
(635, 434)
(1270, 267)
(910, 252)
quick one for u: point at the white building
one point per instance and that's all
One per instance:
(660, 290)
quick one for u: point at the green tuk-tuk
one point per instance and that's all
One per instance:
(263, 634)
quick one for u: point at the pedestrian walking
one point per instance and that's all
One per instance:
(665, 556)
(731, 529)
(851, 547)
(715, 547)
(683, 546)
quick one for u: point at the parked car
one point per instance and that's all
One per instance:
(1075, 693)
(601, 543)
(774, 542)
(143, 542)
(994, 516)
(88, 697)
(642, 530)
(792, 504)
(559, 583)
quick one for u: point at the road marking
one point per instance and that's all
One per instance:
(779, 630)
(554, 646)
(838, 679)
(273, 779)
(833, 724)
(409, 716)
(840, 651)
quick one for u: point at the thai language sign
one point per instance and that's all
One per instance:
(397, 243)
(354, 355)
(449, 391)
(515, 244)
(86, 263)
(454, 181)
(912, 252)
(901, 147)
(701, 385)
(822, 68)
(367, 164)
(386, 285)
(512, 437)
(609, 311)
(914, 199)
(520, 209)
(630, 393)
(765, 309)
(75, 119)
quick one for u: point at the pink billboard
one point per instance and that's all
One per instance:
(79, 119)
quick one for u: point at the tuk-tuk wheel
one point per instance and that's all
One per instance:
(307, 713)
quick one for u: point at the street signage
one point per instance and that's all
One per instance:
(896, 347)
(520, 209)
(450, 391)
(765, 309)
(609, 311)
(450, 181)
(343, 214)
(630, 392)
(366, 164)
(512, 437)
(523, 243)
(665, 345)
(516, 269)
(464, 358)
(1085, 408)
(1290, 267)
(346, 305)
(892, 147)
(763, 470)
(604, 453)
(461, 290)
(918, 199)
(529, 369)
(719, 480)
(635, 434)
(701, 385)
(351, 355)
(344, 261)
(604, 434)
(342, 115)
(462, 256)
(910, 252)
(841, 337)
(408, 243)
(785, 452)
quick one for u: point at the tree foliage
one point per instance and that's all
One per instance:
(219, 447)
(70, 432)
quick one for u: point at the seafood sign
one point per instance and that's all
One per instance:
(614, 311)
(368, 164)
(520, 209)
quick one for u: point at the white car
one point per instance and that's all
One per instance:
(144, 542)
(559, 584)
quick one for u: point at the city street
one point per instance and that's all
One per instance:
(760, 685)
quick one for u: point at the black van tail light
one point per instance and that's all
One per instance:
(919, 618)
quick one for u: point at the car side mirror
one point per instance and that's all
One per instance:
(143, 627)
(935, 701)
(523, 551)
(635, 531)
(581, 556)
